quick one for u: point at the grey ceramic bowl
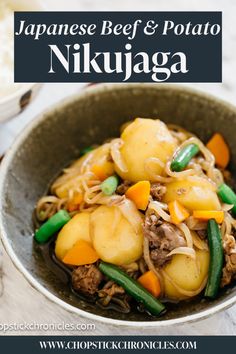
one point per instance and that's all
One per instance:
(55, 138)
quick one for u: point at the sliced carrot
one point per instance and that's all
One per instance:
(72, 207)
(178, 213)
(219, 149)
(75, 202)
(103, 170)
(80, 254)
(139, 193)
(151, 283)
(207, 215)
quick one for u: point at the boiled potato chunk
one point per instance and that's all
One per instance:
(187, 273)
(113, 237)
(99, 164)
(194, 194)
(144, 138)
(76, 229)
(171, 292)
(95, 158)
(70, 185)
(97, 155)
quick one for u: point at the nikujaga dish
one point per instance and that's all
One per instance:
(144, 220)
(96, 116)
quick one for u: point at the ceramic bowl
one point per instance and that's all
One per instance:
(54, 139)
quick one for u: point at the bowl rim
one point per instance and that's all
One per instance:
(92, 90)
(15, 95)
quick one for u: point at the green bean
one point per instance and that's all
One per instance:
(51, 226)
(110, 184)
(183, 157)
(216, 259)
(133, 288)
(227, 196)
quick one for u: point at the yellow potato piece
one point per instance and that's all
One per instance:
(171, 292)
(187, 273)
(70, 185)
(113, 237)
(97, 156)
(145, 138)
(76, 229)
(195, 194)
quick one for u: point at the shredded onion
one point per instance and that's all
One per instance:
(111, 200)
(195, 224)
(116, 155)
(226, 227)
(129, 211)
(183, 250)
(186, 173)
(216, 176)
(90, 197)
(159, 209)
(46, 207)
(155, 177)
(187, 234)
(198, 242)
(227, 207)
(192, 171)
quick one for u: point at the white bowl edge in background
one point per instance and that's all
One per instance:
(11, 104)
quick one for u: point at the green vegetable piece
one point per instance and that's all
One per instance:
(110, 184)
(86, 150)
(51, 226)
(216, 259)
(183, 157)
(227, 196)
(133, 288)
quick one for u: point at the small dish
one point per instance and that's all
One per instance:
(14, 99)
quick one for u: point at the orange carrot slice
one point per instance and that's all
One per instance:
(80, 254)
(219, 149)
(178, 213)
(104, 170)
(139, 193)
(75, 202)
(209, 214)
(151, 283)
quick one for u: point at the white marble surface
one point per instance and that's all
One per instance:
(19, 302)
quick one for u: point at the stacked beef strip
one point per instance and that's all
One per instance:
(163, 238)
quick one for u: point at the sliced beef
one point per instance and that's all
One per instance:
(157, 191)
(111, 290)
(199, 226)
(163, 238)
(229, 270)
(122, 188)
(86, 279)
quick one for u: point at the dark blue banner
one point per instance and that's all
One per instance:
(119, 344)
(118, 47)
